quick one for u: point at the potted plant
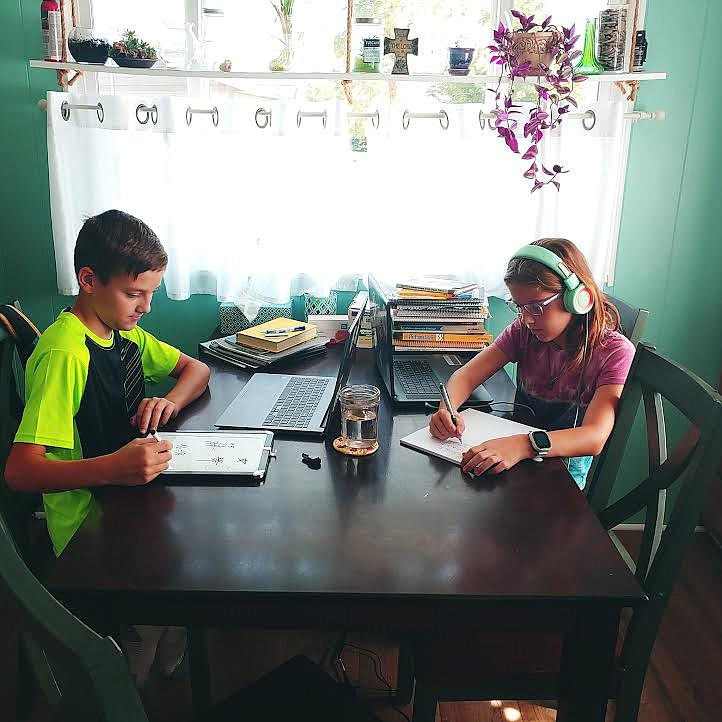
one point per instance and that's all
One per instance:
(132, 52)
(544, 51)
(86, 47)
(284, 10)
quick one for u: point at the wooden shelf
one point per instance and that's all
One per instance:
(293, 77)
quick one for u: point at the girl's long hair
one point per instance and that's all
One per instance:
(603, 316)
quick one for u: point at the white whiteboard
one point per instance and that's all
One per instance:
(219, 452)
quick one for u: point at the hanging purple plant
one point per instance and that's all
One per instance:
(534, 50)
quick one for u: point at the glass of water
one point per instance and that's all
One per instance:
(359, 415)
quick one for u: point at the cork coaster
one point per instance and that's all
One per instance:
(350, 451)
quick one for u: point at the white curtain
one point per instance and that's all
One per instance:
(257, 215)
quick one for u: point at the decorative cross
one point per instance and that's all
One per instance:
(401, 46)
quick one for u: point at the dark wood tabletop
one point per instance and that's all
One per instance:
(398, 523)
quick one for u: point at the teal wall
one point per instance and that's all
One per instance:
(670, 247)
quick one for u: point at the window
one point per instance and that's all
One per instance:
(254, 215)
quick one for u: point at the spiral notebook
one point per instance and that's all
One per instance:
(480, 427)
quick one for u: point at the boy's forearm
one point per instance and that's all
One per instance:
(42, 475)
(191, 383)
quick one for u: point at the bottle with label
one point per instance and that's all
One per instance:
(52, 28)
(640, 51)
(367, 45)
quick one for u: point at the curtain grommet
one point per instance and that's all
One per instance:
(266, 114)
(591, 116)
(151, 113)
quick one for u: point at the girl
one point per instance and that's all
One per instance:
(572, 363)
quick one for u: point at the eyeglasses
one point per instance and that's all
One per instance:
(534, 308)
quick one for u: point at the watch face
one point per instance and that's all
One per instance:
(542, 440)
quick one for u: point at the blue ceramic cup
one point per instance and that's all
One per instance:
(460, 60)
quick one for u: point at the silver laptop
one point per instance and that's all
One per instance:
(284, 402)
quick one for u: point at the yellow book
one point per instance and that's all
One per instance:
(277, 334)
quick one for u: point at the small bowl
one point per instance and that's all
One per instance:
(126, 62)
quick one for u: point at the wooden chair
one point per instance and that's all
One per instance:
(494, 667)
(633, 319)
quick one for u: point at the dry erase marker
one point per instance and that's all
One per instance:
(447, 403)
(280, 331)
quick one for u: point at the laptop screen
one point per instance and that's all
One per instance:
(349, 352)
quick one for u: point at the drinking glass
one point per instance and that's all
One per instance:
(359, 415)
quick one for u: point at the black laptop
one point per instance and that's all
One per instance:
(411, 377)
(286, 402)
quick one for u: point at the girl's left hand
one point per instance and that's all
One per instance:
(496, 455)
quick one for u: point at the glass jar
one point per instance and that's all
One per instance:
(367, 45)
(612, 37)
(359, 415)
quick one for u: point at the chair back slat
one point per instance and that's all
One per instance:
(656, 428)
(652, 535)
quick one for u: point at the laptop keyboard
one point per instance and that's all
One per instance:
(297, 403)
(416, 378)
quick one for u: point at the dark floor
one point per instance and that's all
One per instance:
(682, 682)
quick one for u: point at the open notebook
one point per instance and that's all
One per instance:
(479, 427)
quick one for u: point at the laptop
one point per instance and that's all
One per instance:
(410, 377)
(291, 403)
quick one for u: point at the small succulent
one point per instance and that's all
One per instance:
(131, 46)
(553, 89)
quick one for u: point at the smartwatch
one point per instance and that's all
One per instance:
(541, 443)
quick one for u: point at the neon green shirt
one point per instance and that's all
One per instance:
(80, 394)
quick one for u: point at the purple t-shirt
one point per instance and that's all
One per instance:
(541, 365)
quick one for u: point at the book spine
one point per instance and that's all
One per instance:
(448, 326)
(440, 345)
(443, 337)
(403, 288)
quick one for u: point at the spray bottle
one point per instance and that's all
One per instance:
(52, 30)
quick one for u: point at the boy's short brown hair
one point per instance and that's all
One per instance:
(115, 242)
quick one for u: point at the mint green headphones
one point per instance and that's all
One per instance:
(577, 297)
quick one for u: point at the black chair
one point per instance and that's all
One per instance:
(519, 667)
(633, 319)
(18, 336)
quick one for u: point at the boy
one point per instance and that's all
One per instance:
(85, 393)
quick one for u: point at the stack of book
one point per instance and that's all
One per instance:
(365, 333)
(274, 342)
(439, 314)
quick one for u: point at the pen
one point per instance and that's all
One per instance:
(154, 434)
(447, 403)
(279, 331)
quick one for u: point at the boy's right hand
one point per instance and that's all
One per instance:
(442, 427)
(140, 461)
